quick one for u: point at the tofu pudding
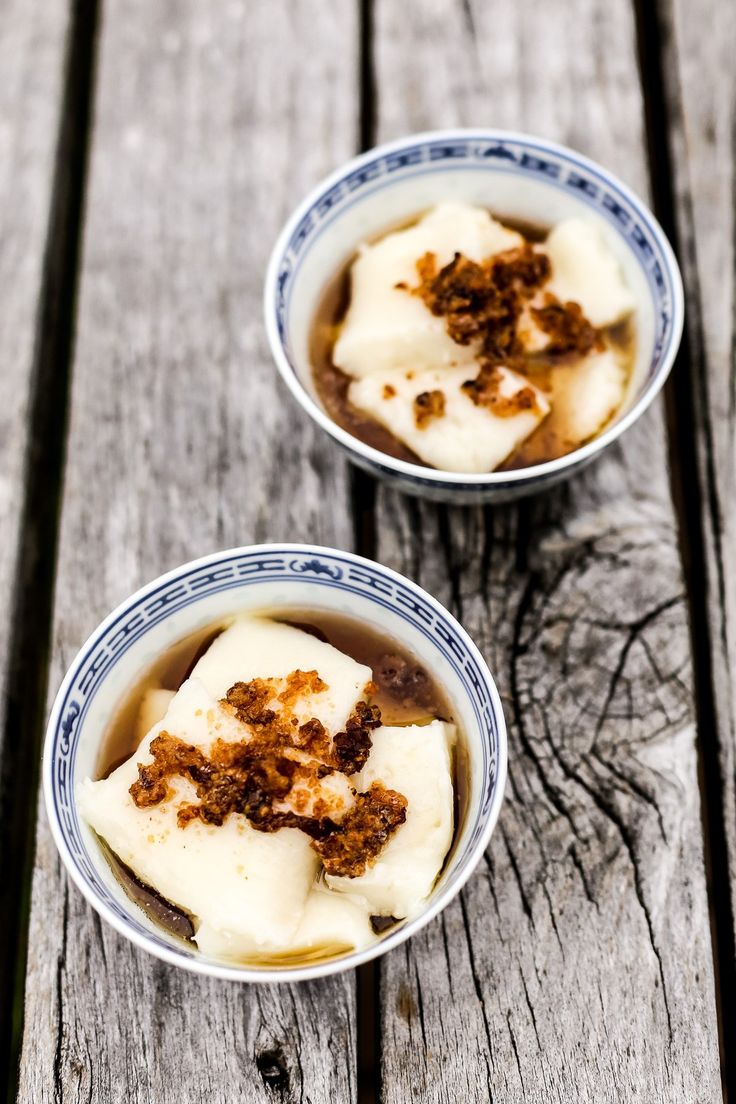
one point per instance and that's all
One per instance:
(278, 791)
(469, 345)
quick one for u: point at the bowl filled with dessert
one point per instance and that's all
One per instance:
(473, 314)
(274, 763)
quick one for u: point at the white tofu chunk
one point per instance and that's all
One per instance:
(230, 878)
(466, 438)
(327, 922)
(254, 647)
(331, 924)
(387, 327)
(153, 708)
(415, 760)
(531, 335)
(585, 271)
(585, 395)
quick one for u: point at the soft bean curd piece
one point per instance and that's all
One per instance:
(230, 877)
(415, 760)
(255, 647)
(532, 337)
(585, 396)
(153, 708)
(585, 271)
(330, 924)
(387, 328)
(457, 433)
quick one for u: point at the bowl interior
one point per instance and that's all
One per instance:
(516, 177)
(265, 579)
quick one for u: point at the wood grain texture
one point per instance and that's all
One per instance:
(31, 62)
(576, 966)
(210, 122)
(702, 95)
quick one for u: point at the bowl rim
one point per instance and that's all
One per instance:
(435, 476)
(265, 975)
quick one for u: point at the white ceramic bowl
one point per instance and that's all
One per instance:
(517, 177)
(268, 577)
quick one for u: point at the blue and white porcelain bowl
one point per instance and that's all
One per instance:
(517, 177)
(264, 577)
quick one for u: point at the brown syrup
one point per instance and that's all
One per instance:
(544, 444)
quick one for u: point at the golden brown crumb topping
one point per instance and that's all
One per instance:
(352, 747)
(484, 303)
(567, 327)
(299, 683)
(485, 390)
(389, 392)
(363, 833)
(255, 775)
(428, 406)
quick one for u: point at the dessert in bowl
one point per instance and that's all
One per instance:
(274, 763)
(473, 315)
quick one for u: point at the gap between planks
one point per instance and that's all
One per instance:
(30, 637)
(688, 495)
(363, 505)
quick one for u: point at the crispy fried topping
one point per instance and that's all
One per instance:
(249, 701)
(567, 327)
(484, 303)
(352, 747)
(255, 777)
(299, 683)
(428, 406)
(365, 830)
(170, 756)
(485, 390)
(236, 777)
(315, 739)
(388, 391)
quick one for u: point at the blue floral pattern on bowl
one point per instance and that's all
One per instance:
(232, 572)
(505, 155)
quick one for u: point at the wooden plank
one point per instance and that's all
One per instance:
(207, 131)
(577, 964)
(32, 53)
(702, 93)
(31, 61)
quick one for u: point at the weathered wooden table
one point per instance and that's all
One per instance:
(149, 152)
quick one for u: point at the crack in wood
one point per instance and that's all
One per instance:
(478, 993)
(60, 966)
(578, 864)
(515, 1048)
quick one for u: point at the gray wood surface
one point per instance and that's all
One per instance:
(702, 93)
(577, 964)
(210, 122)
(31, 61)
